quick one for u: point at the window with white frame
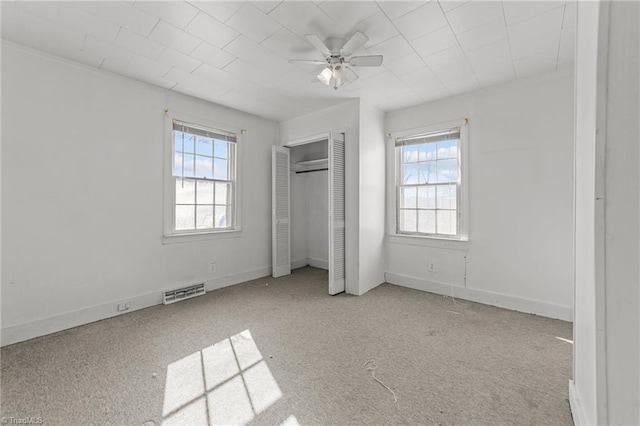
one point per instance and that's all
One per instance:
(428, 184)
(204, 178)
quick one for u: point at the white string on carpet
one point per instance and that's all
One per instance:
(371, 366)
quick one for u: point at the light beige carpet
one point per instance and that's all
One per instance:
(288, 353)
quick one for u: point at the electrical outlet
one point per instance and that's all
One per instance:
(431, 267)
(123, 306)
(212, 267)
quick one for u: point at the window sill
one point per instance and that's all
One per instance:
(200, 236)
(417, 240)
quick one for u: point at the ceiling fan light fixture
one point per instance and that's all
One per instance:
(325, 76)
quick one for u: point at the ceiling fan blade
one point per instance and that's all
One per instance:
(318, 44)
(355, 42)
(353, 74)
(307, 61)
(366, 61)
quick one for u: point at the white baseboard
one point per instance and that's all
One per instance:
(577, 410)
(21, 332)
(317, 263)
(481, 296)
(300, 263)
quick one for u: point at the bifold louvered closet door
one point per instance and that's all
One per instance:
(280, 227)
(337, 214)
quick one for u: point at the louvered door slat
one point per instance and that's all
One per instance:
(280, 212)
(337, 214)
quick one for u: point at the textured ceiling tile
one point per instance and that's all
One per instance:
(473, 14)
(266, 6)
(435, 42)
(93, 25)
(395, 9)
(253, 23)
(221, 10)
(173, 37)
(127, 16)
(178, 60)
(483, 35)
(287, 45)
(212, 55)
(305, 18)
(349, 13)
(423, 20)
(177, 13)
(443, 59)
(405, 64)
(211, 30)
(135, 43)
(393, 48)
(377, 28)
(515, 12)
(537, 36)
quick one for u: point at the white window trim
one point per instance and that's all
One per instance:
(463, 208)
(170, 236)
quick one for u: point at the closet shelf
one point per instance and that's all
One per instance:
(321, 163)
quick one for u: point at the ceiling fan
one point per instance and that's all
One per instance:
(337, 60)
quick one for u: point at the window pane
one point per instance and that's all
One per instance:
(408, 220)
(205, 192)
(447, 197)
(447, 171)
(221, 217)
(189, 143)
(410, 174)
(204, 146)
(220, 169)
(446, 220)
(185, 191)
(448, 149)
(427, 172)
(177, 164)
(427, 221)
(223, 193)
(408, 198)
(204, 217)
(177, 138)
(410, 154)
(185, 217)
(188, 165)
(427, 197)
(427, 151)
(204, 167)
(220, 149)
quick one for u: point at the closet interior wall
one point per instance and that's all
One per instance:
(309, 205)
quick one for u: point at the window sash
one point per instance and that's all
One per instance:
(431, 138)
(230, 205)
(231, 140)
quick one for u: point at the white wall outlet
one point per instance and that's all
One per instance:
(431, 267)
(123, 306)
(212, 267)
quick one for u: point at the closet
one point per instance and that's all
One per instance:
(308, 207)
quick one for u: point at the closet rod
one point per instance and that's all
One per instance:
(311, 171)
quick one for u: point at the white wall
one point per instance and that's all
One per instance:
(317, 196)
(82, 173)
(310, 219)
(299, 220)
(622, 215)
(519, 253)
(587, 362)
(606, 383)
(372, 198)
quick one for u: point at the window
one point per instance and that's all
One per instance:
(428, 184)
(204, 178)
